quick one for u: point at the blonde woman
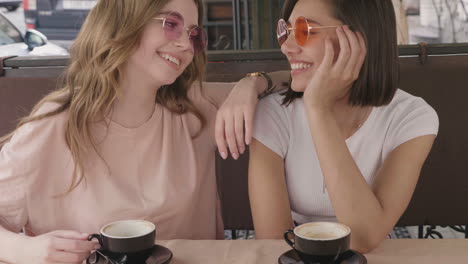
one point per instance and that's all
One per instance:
(130, 136)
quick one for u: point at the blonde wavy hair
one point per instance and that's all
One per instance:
(109, 36)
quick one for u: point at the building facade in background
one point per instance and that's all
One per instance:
(251, 24)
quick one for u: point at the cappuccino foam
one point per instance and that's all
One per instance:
(127, 229)
(320, 235)
(322, 231)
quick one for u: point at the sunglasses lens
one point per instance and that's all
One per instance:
(198, 38)
(301, 31)
(173, 26)
(282, 31)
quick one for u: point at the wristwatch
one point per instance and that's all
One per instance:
(270, 86)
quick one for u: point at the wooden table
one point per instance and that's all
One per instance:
(391, 251)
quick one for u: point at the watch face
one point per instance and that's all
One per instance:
(254, 74)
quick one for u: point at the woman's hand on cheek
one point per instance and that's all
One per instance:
(333, 79)
(234, 117)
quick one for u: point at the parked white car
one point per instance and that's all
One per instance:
(33, 43)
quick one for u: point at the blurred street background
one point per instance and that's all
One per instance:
(246, 24)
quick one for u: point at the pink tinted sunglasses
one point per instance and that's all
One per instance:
(173, 25)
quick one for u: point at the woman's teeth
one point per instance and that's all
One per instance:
(171, 59)
(299, 66)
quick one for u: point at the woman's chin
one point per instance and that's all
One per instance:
(298, 88)
(165, 81)
(169, 82)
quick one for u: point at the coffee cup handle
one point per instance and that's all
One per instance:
(96, 236)
(99, 238)
(286, 238)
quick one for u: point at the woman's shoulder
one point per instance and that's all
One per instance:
(404, 104)
(405, 100)
(43, 129)
(275, 101)
(408, 116)
(46, 107)
(273, 106)
(33, 142)
(53, 120)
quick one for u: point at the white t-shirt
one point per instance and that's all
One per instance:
(285, 130)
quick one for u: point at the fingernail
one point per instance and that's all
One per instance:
(242, 151)
(224, 155)
(235, 156)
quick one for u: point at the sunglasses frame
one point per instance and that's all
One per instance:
(289, 28)
(188, 30)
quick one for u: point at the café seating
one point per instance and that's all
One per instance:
(437, 73)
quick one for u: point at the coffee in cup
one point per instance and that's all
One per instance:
(319, 242)
(132, 240)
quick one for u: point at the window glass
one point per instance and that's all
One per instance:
(8, 34)
(249, 24)
(437, 21)
(242, 24)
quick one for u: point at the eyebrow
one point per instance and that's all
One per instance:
(311, 20)
(168, 12)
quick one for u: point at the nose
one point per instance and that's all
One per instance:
(290, 46)
(183, 42)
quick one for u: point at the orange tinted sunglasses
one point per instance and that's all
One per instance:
(303, 29)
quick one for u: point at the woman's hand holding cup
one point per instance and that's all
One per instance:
(57, 247)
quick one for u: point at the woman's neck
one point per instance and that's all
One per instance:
(135, 104)
(350, 118)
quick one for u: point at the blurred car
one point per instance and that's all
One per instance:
(33, 43)
(10, 5)
(57, 19)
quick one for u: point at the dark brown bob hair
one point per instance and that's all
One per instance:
(379, 76)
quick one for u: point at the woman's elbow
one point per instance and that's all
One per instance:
(363, 249)
(366, 244)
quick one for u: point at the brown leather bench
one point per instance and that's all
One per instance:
(437, 73)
